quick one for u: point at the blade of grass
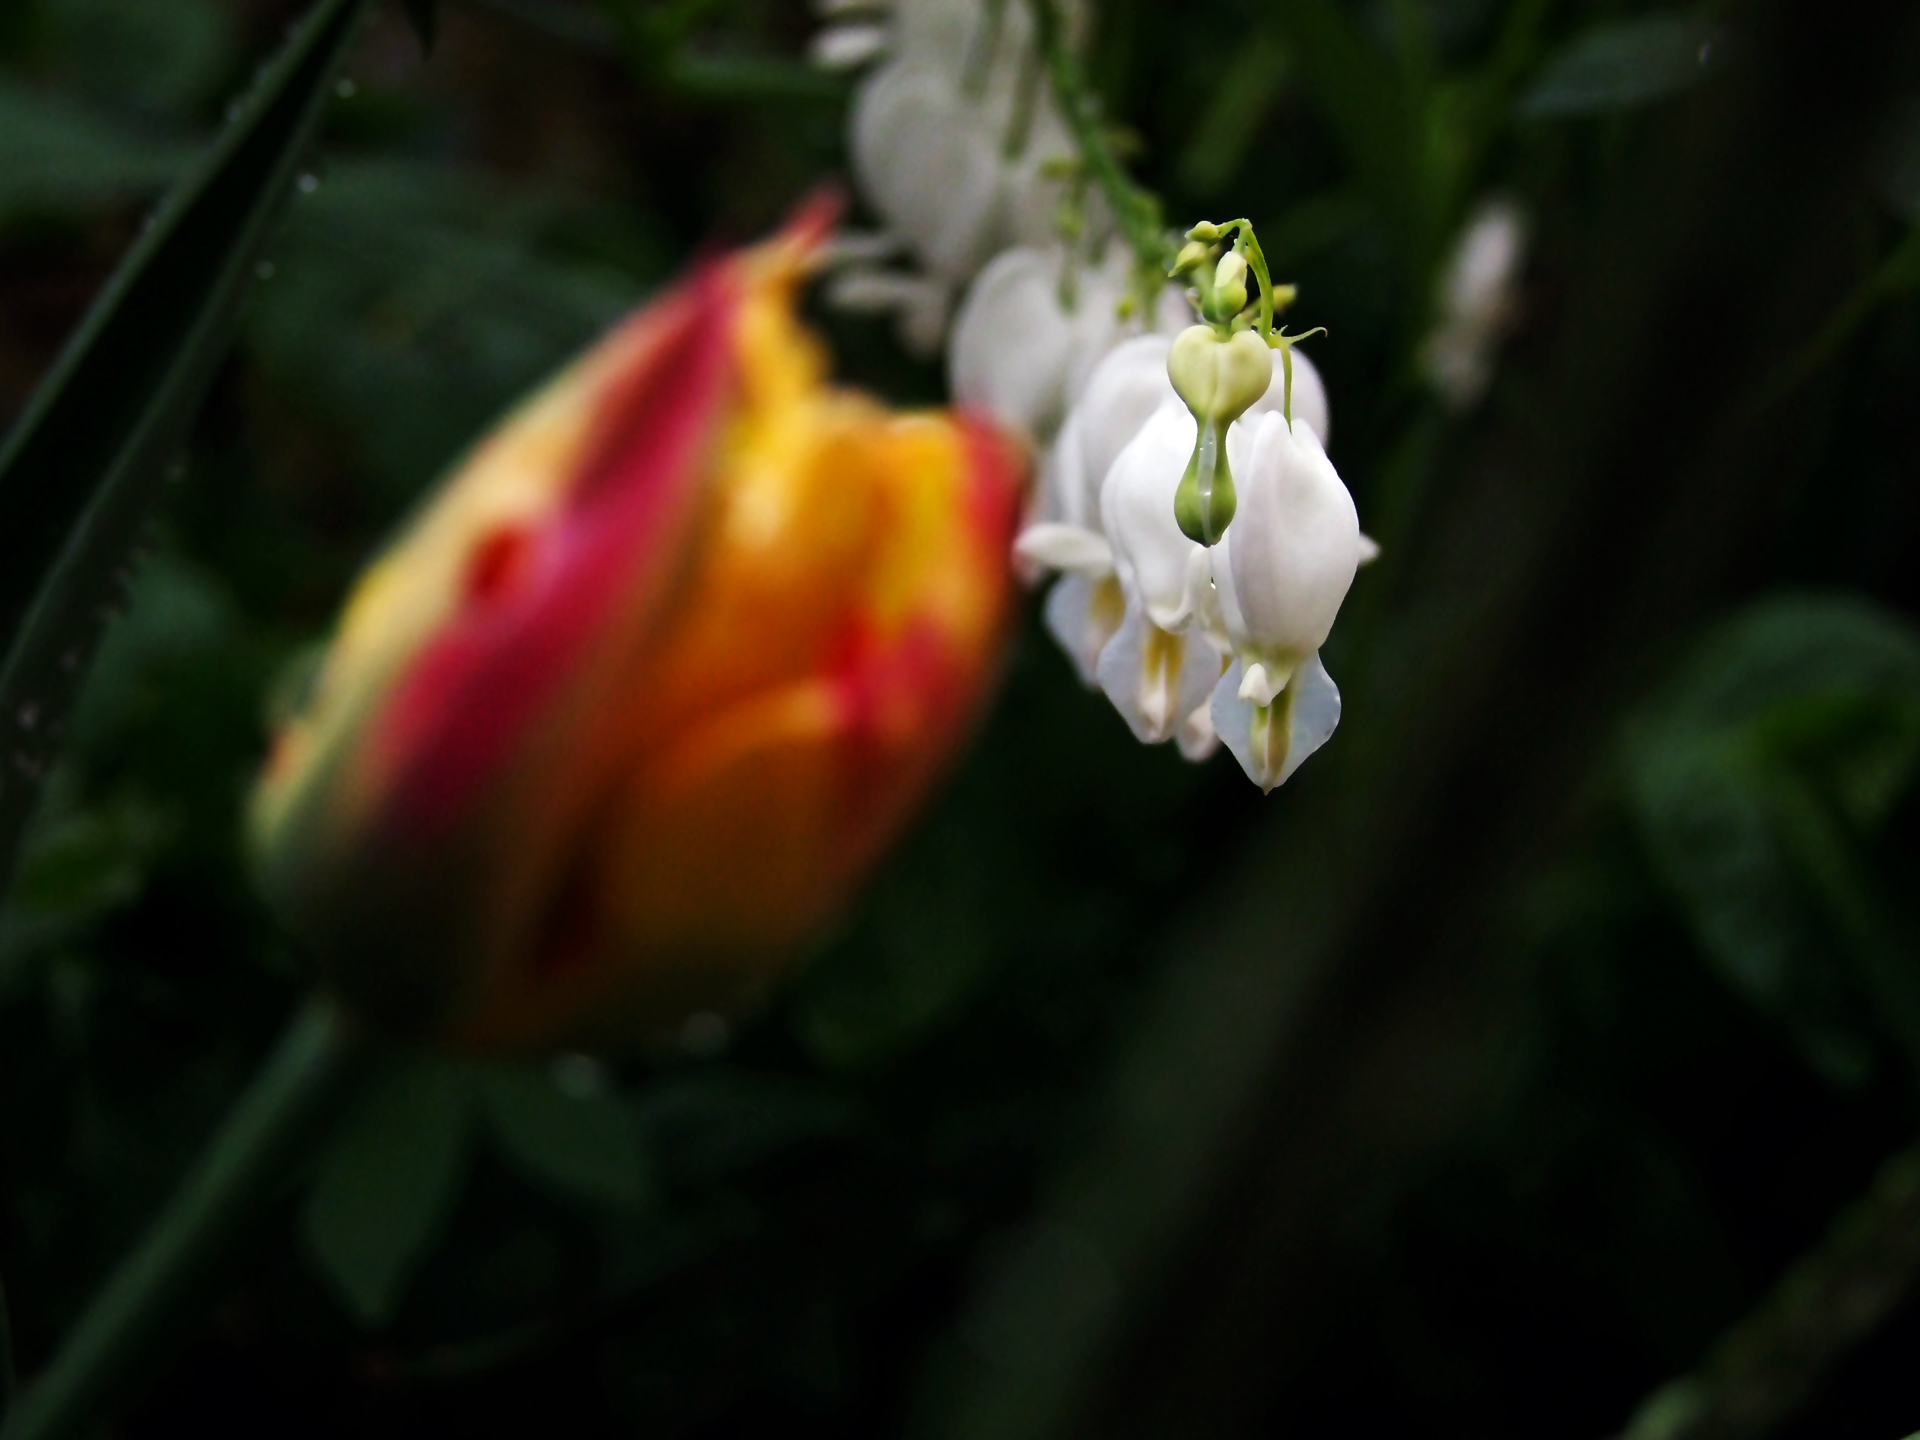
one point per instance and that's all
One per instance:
(83, 466)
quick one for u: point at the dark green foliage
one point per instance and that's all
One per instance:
(81, 467)
(1623, 1018)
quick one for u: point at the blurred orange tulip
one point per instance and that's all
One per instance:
(633, 705)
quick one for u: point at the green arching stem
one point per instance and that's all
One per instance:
(1135, 209)
(1248, 244)
(148, 1304)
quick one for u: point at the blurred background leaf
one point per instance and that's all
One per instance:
(1620, 1032)
(387, 1182)
(1623, 65)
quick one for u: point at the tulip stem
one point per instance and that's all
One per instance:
(7, 1377)
(147, 1305)
(1136, 208)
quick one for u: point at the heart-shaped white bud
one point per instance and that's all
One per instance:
(1219, 379)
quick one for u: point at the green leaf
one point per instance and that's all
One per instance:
(82, 468)
(585, 1146)
(57, 156)
(388, 1183)
(1759, 781)
(415, 303)
(1379, 109)
(1622, 66)
(152, 59)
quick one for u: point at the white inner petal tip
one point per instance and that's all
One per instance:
(1065, 547)
(1260, 683)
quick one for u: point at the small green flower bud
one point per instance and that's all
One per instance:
(1230, 285)
(1218, 378)
(1203, 506)
(1206, 232)
(1191, 257)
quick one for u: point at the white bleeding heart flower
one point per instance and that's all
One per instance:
(932, 159)
(1280, 575)
(1086, 605)
(1035, 325)
(1127, 386)
(1162, 572)
(1166, 655)
(1285, 565)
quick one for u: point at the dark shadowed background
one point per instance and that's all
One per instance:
(1474, 1084)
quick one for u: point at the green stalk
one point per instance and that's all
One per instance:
(151, 1301)
(1135, 209)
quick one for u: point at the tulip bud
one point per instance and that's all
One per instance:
(631, 707)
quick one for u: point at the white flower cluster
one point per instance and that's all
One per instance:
(956, 143)
(1201, 644)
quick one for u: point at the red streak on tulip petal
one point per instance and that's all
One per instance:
(996, 476)
(897, 694)
(499, 563)
(477, 686)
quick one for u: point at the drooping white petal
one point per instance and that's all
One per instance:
(927, 161)
(1035, 327)
(1064, 491)
(1155, 678)
(1163, 572)
(1196, 737)
(1286, 563)
(1121, 394)
(1082, 612)
(847, 47)
(1270, 742)
(919, 302)
(1013, 341)
(1065, 547)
